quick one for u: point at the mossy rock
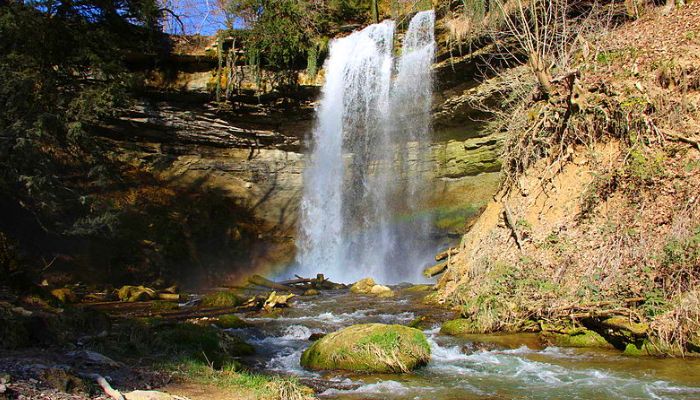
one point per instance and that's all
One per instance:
(231, 321)
(64, 295)
(576, 338)
(457, 327)
(235, 346)
(221, 299)
(634, 329)
(370, 348)
(419, 322)
(641, 348)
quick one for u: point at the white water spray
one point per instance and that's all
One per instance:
(365, 178)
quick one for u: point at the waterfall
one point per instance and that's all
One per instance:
(365, 179)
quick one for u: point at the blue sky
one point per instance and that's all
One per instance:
(198, 16)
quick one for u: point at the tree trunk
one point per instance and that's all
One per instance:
(260, 281)
(375, 11)
(435, 270)
(540, 69)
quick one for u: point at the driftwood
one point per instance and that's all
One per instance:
(445, 254)
(260, 281)
(680, 138)
(512, 225)
(597, 304)
(593, 310)
(320, 282)
(169, 297)
(277, 300)
(106, 387)
(602, 313)
(298, 281)
(435, 270)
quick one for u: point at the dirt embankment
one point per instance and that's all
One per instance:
(602, 228)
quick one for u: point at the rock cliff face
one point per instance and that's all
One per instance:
(254, 150)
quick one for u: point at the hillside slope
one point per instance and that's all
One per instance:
(604, 230)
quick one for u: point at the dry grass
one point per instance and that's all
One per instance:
(674, 329)
(605, 172)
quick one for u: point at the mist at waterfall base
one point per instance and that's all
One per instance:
(366, 181)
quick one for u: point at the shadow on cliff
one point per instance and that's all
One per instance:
(163, 233)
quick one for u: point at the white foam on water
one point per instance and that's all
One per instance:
(298, 332)
(393, 388)
(288, 361)
(513, 369)
(326, 317)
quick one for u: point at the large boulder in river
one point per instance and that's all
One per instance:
(368, 286)
(369, 348)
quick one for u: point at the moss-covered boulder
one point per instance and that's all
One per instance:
(459, 326)
(369, 348)
(221, 299)
(581, 337)
(623, 324)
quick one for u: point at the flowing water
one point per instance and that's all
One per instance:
(365, 179)
(478, 367)
(363, 185)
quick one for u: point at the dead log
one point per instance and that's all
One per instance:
(435, 270)
(298, 281)
(680, 138)
(603, 313)
(594, 306)
(277, 300)
(447, 253)
(169, 297)
(510, 221)
(260, 281)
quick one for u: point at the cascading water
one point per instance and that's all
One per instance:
(366, 177)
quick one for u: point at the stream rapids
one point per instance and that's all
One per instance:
(478, 367)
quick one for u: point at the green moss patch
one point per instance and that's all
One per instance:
(231, 321)
(576, 338)
(457, 327)
(369, 348)
(221, 299)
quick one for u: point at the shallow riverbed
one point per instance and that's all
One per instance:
(477, 367)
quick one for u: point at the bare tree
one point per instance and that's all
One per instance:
(541, 30)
